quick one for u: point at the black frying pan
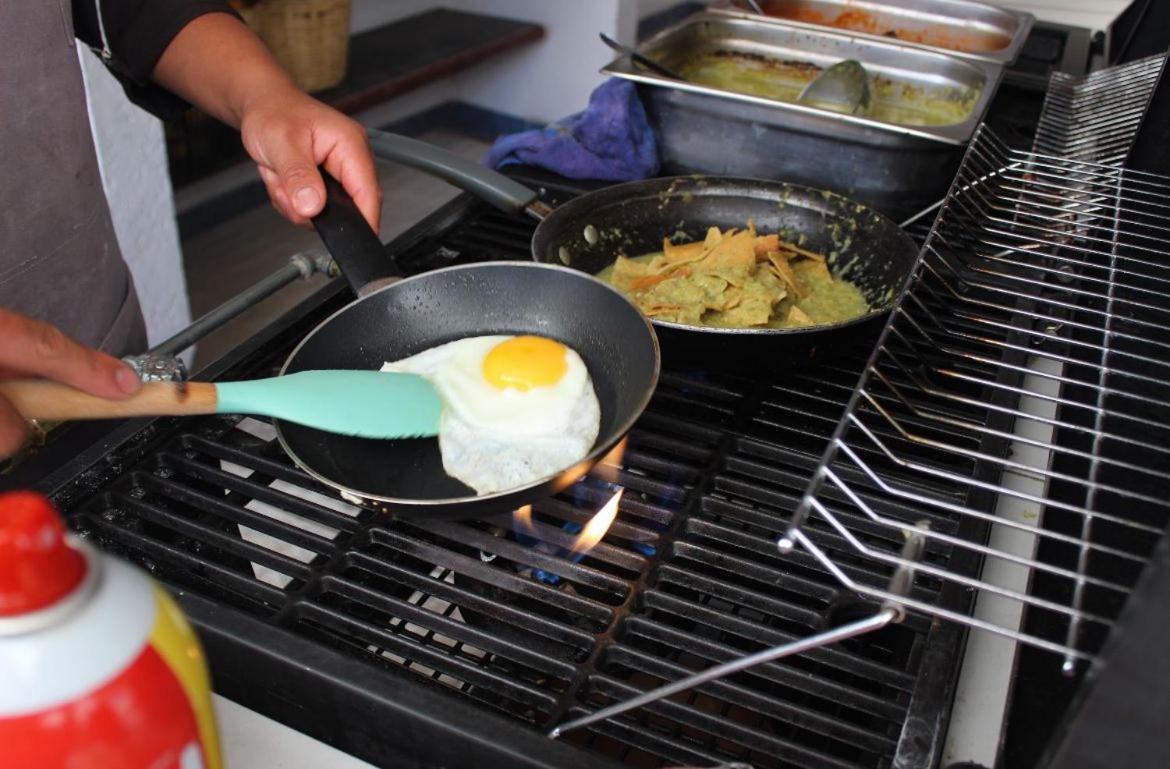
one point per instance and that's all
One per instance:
(589, 231)
(414, 314)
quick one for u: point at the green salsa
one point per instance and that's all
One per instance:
(827, 300)
(893, 102)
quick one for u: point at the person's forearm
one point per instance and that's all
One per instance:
(217, 64)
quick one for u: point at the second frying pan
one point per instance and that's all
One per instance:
(588, 233)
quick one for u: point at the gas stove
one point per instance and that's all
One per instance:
(404, 641)
(425, 643)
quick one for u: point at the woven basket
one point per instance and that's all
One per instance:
(310, 38)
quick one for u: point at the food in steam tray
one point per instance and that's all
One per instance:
(893, 101)
(516, 409)
(736, 279)
(969, 39)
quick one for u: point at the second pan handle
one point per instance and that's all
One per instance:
(486, 184)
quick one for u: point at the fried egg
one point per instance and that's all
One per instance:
(516, 408)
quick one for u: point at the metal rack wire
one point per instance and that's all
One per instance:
(1054, 261)
(1094, 117)
(1041, 299)
(1034, 344)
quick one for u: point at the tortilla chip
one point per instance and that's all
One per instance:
(677, 291)
(802, 251)
(713, 288)
(798, 317)
(765, 285)
(664, 312)
(766, 243)
(659, 265)
(731, 297)
(688, 252)
(781, 308)
(750, 312)
(784, 271)
(689, 314)
(736, 276)
(626, 271)
(646, 281)
(732, 278)
(714, 238)
(735, 251)
(809, 270)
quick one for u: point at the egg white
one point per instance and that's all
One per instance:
(495, 439)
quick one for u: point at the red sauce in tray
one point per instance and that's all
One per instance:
(858, 20)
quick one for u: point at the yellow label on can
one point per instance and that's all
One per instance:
(175, 641)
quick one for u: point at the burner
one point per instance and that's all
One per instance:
(509, 618)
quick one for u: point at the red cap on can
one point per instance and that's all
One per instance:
(37, 566)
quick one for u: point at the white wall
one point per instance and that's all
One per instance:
(542, 81)
(552, 78)
(132, 156)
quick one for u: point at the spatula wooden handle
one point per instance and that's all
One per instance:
(51, 401)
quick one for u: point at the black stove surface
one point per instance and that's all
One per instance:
(427, 636)
(416, 643)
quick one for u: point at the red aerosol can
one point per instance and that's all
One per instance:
(98, 668)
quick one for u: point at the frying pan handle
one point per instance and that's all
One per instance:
(484, 183)
(355, 247)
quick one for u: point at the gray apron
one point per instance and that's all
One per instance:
(59, 258)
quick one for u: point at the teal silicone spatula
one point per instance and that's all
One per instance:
(368, 404)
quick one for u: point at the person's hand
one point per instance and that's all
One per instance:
(30, 348)
(219, 65)
(289, 134)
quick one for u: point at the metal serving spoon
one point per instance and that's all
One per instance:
(638, 58)
(843, 87)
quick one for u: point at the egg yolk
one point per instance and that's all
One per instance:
(525, 362)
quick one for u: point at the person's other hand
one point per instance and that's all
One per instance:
(30, 348)
(289, 134)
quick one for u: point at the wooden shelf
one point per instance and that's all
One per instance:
(396, 58)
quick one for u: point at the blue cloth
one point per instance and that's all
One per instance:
(610, 140)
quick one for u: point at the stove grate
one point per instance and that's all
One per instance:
(687, 577)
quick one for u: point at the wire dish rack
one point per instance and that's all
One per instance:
(1094, 117)
(1032, 351)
